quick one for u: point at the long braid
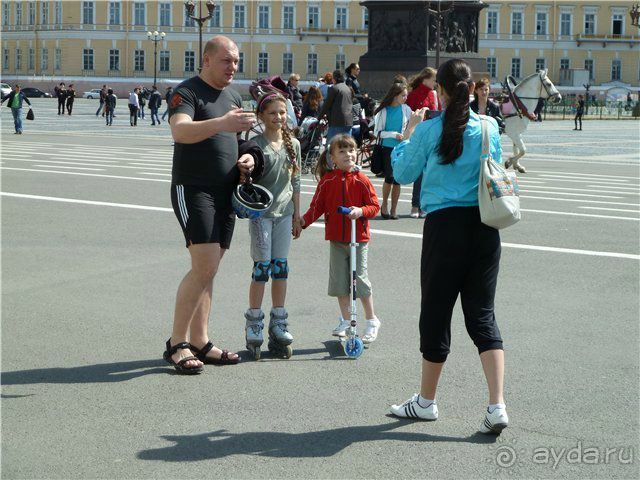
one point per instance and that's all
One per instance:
(286, 136)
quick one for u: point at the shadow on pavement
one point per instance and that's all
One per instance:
(323, 443)
(102, 373)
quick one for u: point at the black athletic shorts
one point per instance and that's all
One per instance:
(205, 213)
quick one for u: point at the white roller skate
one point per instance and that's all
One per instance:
(253, 331)
(370, 331)
(280, 339)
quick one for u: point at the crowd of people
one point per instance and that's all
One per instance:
(460, 255)
(138, 98)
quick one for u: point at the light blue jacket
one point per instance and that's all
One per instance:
(452, 185)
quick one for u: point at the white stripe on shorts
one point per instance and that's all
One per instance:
(182, 205)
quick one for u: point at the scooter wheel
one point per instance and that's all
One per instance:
(353, 347)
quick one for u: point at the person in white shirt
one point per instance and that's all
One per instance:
(134, 105)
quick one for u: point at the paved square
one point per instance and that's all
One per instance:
(92, 255)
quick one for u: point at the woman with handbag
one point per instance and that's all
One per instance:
(460, 254)
(391, 119)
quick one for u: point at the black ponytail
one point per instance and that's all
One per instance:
(454, 77)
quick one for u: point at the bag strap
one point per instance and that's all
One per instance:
(485, 137)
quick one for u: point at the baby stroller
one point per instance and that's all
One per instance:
(365, 140)
(311, 134)
(263, 86)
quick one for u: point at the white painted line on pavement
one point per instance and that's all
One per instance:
(567, 193)
(164, 169)
(72, 168)
(584, 174)
(633, 189)
(589, 179)
(578, 200)
(611, 209)
(120, 177)
(320, 225)
(574, 214)
(154, 173)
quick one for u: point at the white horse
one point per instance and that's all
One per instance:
(526, 95)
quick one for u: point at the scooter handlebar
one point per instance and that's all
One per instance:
(344, 210)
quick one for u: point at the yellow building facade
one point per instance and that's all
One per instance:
(91, 39)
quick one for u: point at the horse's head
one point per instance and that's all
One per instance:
(549, 88)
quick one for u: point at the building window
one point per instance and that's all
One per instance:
(32, 13)
(6, 12)
(263, 62)
(18, 13)
(313, 16)
(516, 23)
(588, 65)
(215, 17)
(138, 60)
(87, 14)
(341, 18)
(44, 59)
(189, 61)
(617, 27)
(58, 12)
(341, 61)
(492, 22)
(263, 16)
(58, 59)
(541, 23)
(540, 64)
(288, 17)
(114, 13)
(138, 13)
(32, 59)
(87, 57)
(565, 64)
(5, 59)
(312, 64)
(238, 16)
(616, 69)
(165, 14)
(492, 67)
(18, 59)
(515, 68)
(365, 18)
(165, 60)
(114, 60)
(589, 24)
(287, 62)
(241, 62)
(565, 24)
(44, 13)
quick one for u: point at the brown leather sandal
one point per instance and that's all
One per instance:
(180, 365)
(224, 359)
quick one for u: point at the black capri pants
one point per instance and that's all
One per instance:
(460, 255)
(387, 169)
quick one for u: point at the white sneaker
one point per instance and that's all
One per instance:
(371, 330)
(411, 409)
(495, 422)
(340, 330)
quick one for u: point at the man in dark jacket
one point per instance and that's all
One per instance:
(155, 100)
(337, 107)
(294, 93)
(167, 96)
(103, 98)
(14, 100)
(61, 93)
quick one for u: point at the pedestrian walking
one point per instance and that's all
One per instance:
(460, 255)
(103, 98)
(14, 101)
(422, 94)
(142, 101)
(391, 119)
(110, 106)
(71, 96)
(167, 96)
(579, 112)
(295, 95)
(61, 95)
(155, 101)
(345, 186)
(134, 105)
(538, 110)
(271, 233)
(337, 107)
(205, 118)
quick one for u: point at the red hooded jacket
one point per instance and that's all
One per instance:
(422, 96)
(349, 189)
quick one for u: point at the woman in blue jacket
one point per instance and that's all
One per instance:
(14, 100)
(460, 255)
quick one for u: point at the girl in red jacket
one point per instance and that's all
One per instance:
(347, 186)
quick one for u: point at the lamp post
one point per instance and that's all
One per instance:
(439, 14)
(191, 8)
(155, 37)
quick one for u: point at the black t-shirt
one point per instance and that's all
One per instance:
(211, 162)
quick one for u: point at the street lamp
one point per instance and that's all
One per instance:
(155, 37)
(191, 8)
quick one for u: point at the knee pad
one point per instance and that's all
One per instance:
(261, 271)
(280, 269)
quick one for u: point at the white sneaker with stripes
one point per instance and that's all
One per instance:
(495, 421)
(411, 409)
